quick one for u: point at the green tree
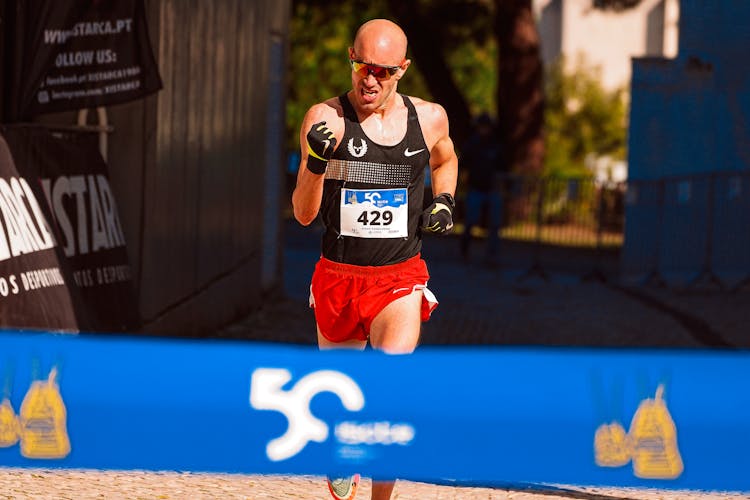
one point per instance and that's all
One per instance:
(456, 47)
(482, 55)
(442, 33)
(318, 69)
(321, 32)
(581, 118)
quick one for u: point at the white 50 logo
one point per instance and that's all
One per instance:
(266, 393)
(372, 197)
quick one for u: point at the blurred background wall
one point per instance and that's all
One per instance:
(212, 141)
(607, 38)
(197, 168)
(688, 204)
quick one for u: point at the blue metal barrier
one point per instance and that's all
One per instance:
(678, 419)
(730, 245)
(686, 211)
(643, 227)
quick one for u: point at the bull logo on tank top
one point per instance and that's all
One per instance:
(357, 151)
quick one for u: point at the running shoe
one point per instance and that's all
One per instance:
(343, 488)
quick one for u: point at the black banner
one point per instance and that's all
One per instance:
(76, 54)
(63, 259)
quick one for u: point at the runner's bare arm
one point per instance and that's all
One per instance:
(443, 159)
(308, 192)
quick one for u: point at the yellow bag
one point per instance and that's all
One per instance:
(653, 436)
(9, 427)
(611, 445)
(43, 421)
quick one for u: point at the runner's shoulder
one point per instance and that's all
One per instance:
(430, 113)
(329, 111)
(433, 119)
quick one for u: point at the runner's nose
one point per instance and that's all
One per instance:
(370, 80)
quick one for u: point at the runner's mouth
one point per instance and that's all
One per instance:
(369, 94)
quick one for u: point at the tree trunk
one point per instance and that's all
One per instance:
(520, 97)
(426, 45)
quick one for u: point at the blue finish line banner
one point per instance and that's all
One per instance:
(646, 418)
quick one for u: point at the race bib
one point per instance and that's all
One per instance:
(374, 213)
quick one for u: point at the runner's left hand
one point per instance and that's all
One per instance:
(438, 217)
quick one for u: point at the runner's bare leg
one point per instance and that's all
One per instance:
(382, 490)
(396, 328)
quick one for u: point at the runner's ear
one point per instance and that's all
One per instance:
(404, 66)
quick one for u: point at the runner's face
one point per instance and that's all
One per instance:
(372, 93)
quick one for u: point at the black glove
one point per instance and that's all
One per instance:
(438, 217)
(320, 146)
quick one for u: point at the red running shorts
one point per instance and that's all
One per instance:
(346, 298)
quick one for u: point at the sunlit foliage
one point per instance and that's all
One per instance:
(581, 118)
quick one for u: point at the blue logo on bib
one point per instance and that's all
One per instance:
(377, 197)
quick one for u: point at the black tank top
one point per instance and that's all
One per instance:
(369, 170)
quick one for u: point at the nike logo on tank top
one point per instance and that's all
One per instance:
(373, 194)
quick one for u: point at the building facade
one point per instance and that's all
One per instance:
(607, 39)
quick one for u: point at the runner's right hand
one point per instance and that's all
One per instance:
(320, 145)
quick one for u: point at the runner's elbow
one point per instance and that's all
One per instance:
(304, 217)
(304, 210)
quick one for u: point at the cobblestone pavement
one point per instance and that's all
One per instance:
(549, 297)
(40, 484)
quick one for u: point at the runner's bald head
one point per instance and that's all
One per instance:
(381, 35)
